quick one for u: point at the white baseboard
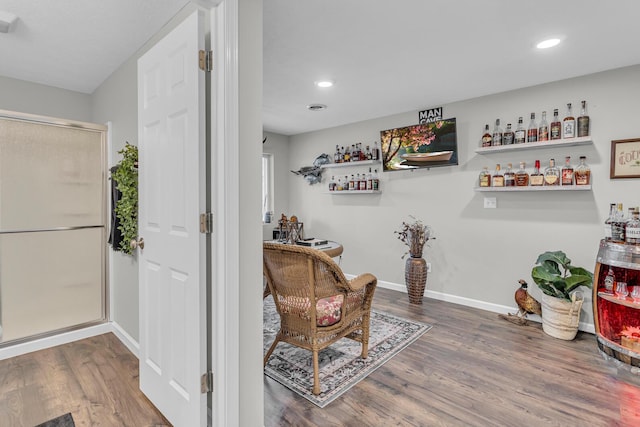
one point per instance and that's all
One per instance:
(483, 305)
(54, 340)
(126, 339)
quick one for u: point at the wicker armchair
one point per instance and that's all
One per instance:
(297, 276)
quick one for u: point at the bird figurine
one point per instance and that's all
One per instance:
(526, 305)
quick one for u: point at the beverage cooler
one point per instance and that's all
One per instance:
(616, 301)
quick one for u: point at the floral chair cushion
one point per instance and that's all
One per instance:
(328, 310)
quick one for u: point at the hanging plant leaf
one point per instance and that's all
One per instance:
(126, 178)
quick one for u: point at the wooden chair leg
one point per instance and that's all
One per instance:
(365, 337)
(273, 347)
(316, 376)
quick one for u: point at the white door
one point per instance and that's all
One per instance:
(171, 132)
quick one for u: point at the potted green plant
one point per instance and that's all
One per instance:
(561, 300)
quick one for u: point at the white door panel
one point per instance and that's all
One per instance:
(171, 186)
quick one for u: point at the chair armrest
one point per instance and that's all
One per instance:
(361, 281)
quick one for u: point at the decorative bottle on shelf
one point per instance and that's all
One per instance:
(497, 180)
(339, 185)
(496, 137)
(375, 180)
(484, 179)
(332, 184)
(509, 176)
(508, 136)
(543, 129)
(336, 155)
(369, 180)
(609, 281)
(552, 174)
(632, 232)
(582, 174)
(363, 182)
(609, 221)
(569, 124)
(520, 133)
(536, 178)
(618, 226)
(375, 152)
(556, 126)
(583, 121)
(346, 154)
(487, 138)
(567, 172)
(368, 153)
(522, 177)
(532, 131)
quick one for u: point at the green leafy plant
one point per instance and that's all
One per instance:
(556, 282)
(126, 178)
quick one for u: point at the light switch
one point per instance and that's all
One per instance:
(490, 203)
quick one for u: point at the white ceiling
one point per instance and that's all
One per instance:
(386, 57)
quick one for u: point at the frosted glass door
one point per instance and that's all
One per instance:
(52, 227)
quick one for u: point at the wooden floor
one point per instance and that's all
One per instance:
(96, 379)
(470, 369)
(474, 369)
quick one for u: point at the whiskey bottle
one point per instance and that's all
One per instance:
(552, 174)
(368, 153)
(520, 134)
(332, 184)
(375, 180)
(497, 180)
(582, 173)
(508, 135)
(497, 134)
(532, 132)
(632, 233)
(336, 155)
(569, 124)
(352, 183)
(609, 221)
(583, 121)
(484, 179)
(609, 281)
(567, 172)
(522, 177)
(363, 182)
(375, 152)
(369, 180)
(556, 126)
(487, 138)
(536, 177)
(347, 154)
(543, 129)
(509, 176)
(618, 226)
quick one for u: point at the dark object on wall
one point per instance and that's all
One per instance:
(419, 146)
(313, 174)
(115, 235)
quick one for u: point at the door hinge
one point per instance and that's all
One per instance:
(205, 60)
(206, 222)
(206, 382)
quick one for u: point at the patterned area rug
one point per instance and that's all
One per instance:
(65, 420)
(340, 364)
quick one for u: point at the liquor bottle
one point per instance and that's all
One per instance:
(363, 182)
(522, 177)
(368, 153)
(508, 135)
(543, 129)
(332, 184)
(375, 153)
(347, 154)
(582, 173)
(487, 138)
(568, 124)
(363, 154)
(632, 233)
(496, 137)
(536, 177)
(352, 183)
(567, 172)
(532, 132)
(609, 221)
(520, 134)
(369, 180)
(552, 174)
(336, 155)
(355, 155)
(609, 281)
(484, 179)
(375, 181)
(497, 180)
(583, 121)
(509, 176)
(339, 185)
(345, 185)
(618, 226)
(556, 126)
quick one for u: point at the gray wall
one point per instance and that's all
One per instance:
(278, 146)
(479, 254)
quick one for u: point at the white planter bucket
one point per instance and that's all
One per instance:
(560, 318)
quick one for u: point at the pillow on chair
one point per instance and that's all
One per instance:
(328, 310)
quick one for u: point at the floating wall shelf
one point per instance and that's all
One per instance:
(533, 145)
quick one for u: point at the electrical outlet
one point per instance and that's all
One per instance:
(428, 267)
(490, 203)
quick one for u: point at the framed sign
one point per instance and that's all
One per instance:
(625, 158)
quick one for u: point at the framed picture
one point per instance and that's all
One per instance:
(625, 158)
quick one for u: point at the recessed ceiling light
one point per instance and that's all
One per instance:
(316, 107)
(324, 83)
(545, 44)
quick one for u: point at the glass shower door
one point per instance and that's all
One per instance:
(52, 227)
